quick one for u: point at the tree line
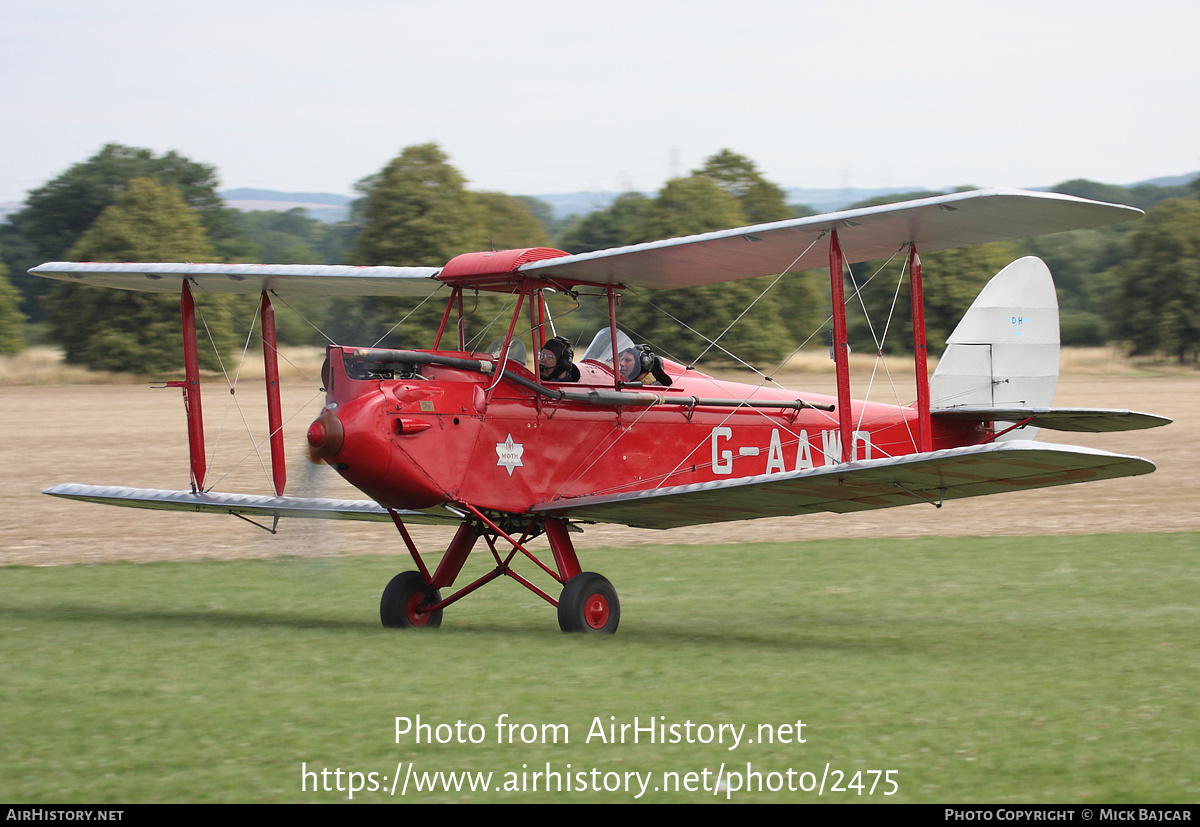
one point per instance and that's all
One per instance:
(1137, 284)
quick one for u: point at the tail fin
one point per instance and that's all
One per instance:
(1004, 352)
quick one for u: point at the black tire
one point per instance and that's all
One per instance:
(589, 605)
(403, 595)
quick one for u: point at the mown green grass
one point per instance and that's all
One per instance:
(981, 670)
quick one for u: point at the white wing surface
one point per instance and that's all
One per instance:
(282, 279)
(856, 486)
(211, 502)
(868, 233)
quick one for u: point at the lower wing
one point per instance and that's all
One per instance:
(955, 473)
(974, 471)
(250, 505)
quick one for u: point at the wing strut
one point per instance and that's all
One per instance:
(455, 296)
(612, 333)
(916, 288)
(191, 391)
(274, 415)
(841, 347)
(191, 388)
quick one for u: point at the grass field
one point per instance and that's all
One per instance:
(1015, 669)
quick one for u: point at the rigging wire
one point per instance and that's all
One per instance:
(256, 445)
(855, 295)
(879, 340)
(420, 304)
(232, 385)
(760, 295)
(305, 319)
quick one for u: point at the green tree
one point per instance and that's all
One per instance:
(1084, 264)
(602, 229)
(1158, 307)
(416, 211)
(687, 206)
(509, 223)
(737, 175)
(58, 213)
(292, 237)
(11, 318)
(543, 212)
(951, 280)
(800, 299)
(124, 330)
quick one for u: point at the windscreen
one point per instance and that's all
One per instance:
(601, 350)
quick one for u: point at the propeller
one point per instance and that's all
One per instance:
(325, 437)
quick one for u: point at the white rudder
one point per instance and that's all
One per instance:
(1004, 352)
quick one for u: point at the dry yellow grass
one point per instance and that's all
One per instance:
(63, 426)
(45, 366)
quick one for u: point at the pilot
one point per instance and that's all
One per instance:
(554, 361)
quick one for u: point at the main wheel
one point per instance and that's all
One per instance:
(589, 604)
(407, 592)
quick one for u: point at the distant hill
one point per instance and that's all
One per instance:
(323, 206)
(1169, 181)
(830, 200)
(250, 194)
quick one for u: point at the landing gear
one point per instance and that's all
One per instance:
(402, 599)
(589, 605)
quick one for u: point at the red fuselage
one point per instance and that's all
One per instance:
(442, 436)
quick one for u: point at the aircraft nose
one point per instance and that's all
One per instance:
(325, 436)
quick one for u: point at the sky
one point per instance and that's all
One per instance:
(533, 97)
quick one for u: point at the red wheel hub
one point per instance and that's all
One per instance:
(595, 611)
(414, 603)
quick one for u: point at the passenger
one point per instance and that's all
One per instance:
(631, 365)
(640, 364)
(555, 361)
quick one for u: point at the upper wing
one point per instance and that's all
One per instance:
(869, 233)
(856, 486)
(744, 252)
(281, 279)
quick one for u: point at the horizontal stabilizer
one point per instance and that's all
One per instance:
(1083, 420)
(856, 486)
(246, 505)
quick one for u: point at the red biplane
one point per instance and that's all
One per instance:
(477, 439)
